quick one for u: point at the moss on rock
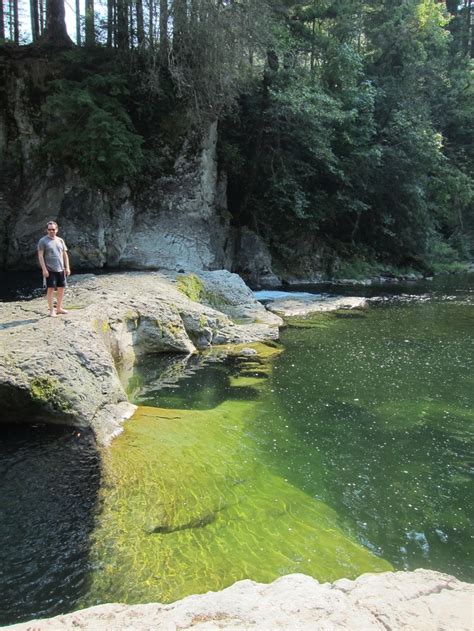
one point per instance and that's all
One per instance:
(47, 390)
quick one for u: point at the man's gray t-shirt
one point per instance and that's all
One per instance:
(53, 251)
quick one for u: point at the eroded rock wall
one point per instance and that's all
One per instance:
(179, 221)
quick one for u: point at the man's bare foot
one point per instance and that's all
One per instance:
(58, 311)
(52, 313)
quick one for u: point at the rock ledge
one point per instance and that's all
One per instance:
(73, 369)
(422, 600)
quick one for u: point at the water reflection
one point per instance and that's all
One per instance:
(171, 381)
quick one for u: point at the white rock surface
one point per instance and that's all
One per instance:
(304, 304)
(410, 601)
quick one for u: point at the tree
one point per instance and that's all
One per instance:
(34, 14)
(89, 23)
(2, 21)
(55, 33)
(164, 44)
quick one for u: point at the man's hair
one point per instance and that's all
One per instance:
(52, 223)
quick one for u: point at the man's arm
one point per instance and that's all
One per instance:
(67, 269)
(42, 263)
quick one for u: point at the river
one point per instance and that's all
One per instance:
(349, 451)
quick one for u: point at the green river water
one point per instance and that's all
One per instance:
(348, 452)
(347, 448)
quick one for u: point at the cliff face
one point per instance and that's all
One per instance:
(180, 221)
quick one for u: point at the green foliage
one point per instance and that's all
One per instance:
(357, 269)
(359, 132)
(88, 128)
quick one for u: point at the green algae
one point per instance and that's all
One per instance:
(48, 390)
(189, 505)
(193, 287)
(323, 319)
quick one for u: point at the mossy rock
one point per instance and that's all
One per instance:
(193, 287)
(47, 390)
(262, 350)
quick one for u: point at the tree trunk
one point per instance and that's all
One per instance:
(179, 25)
(122, 24)
(2, 21)
(110, 23)
(164, 46)
(140, 25)
(55, 33)
(151, 22)
(16, 26)
(89, 23)
(78, 23)
(470, 28)
(41, 15)
(35, 28)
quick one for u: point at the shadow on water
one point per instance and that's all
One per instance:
(49, 483)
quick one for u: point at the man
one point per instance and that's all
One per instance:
(54, 262)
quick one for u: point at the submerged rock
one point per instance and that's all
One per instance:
(73, 369)
(422, 600)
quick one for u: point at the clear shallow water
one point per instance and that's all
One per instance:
(349, 452)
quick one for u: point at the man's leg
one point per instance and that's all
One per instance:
(50, 296)
(59, 300)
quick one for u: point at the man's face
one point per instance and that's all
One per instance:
(51, 230)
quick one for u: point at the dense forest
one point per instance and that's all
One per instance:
(351, 120)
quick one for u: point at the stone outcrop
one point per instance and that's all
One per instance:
(253, 260)
(73, 369)
(179, 220)
(410, 601)
(302, 304)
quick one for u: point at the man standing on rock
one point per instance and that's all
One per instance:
(54, 262)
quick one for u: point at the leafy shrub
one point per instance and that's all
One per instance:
(90, 129)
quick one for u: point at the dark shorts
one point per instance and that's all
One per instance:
(56, 279)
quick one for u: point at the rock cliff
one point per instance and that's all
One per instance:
(178, 220)
(408, 601)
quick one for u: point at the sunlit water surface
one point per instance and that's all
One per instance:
(350, 451)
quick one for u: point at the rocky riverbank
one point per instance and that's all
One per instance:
(422, 600)
(73, 369)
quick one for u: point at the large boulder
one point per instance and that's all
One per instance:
(417, 601)
(73, 369)
(253, 260)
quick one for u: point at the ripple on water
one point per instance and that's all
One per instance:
(49, 480)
